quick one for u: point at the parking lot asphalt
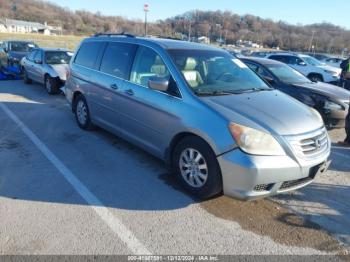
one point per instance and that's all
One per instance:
(67, 191)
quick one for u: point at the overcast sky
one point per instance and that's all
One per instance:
(292, 11)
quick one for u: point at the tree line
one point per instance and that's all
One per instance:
(230, 27)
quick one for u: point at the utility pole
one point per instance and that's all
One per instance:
(189, 30)
(312, 39)
(220, 27)
(146, 10)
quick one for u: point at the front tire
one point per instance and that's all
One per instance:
(51, 85)
(196, 166)
(315, 78)
(82, 113)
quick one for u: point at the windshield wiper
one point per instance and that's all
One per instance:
(213, 93)
(251, 90)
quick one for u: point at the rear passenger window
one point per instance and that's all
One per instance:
(293, 60)
(279, 58)
(117, 59)
(88, 54)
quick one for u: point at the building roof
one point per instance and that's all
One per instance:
(10, 22)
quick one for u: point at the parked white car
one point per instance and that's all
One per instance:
(309, 66)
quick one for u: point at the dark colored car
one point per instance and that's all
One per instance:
(318, 56)
(12, 52)
(330, 101)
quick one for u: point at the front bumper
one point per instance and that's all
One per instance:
(251, 177)
(332, 79)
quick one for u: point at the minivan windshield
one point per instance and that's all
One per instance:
(21, 46)
(210, 72)
(287, 74)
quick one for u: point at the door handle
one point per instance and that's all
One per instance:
(114, 86)
(129, 92)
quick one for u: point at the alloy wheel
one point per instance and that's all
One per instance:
(81, 112)
(193, 167)
(48, 85)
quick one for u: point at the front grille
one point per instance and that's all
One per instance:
(294, 183)
(263, 187)
(310, 145)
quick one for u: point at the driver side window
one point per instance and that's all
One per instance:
(31, 56)
(148, 64)
(38, 56)
(293, 60)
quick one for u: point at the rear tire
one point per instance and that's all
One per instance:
(82, 113)
(196, 166)
(26, 78)
(51, 85)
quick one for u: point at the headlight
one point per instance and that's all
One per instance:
(13, 59)
(255, 142)
(332, 106)
(331, 72)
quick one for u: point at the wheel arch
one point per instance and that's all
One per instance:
(177, 138)
(316, 74)
(75, 95)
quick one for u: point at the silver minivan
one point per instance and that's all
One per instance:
(220, 127)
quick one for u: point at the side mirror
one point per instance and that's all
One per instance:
(158, 83)
(302, 64)
(37, 61)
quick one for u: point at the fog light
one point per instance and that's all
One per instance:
(263, 187)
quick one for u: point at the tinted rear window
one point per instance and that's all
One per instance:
(280, 58)
(88, 54)
(117, 59)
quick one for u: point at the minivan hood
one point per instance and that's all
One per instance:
(271, 110)
(327, 90)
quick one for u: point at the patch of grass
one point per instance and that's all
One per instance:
(66, 41)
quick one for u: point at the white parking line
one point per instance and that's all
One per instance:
(113, 222)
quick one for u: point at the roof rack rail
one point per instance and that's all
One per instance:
(111, 35)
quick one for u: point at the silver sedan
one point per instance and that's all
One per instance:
(47, 66)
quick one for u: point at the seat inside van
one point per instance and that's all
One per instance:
(190, 73)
